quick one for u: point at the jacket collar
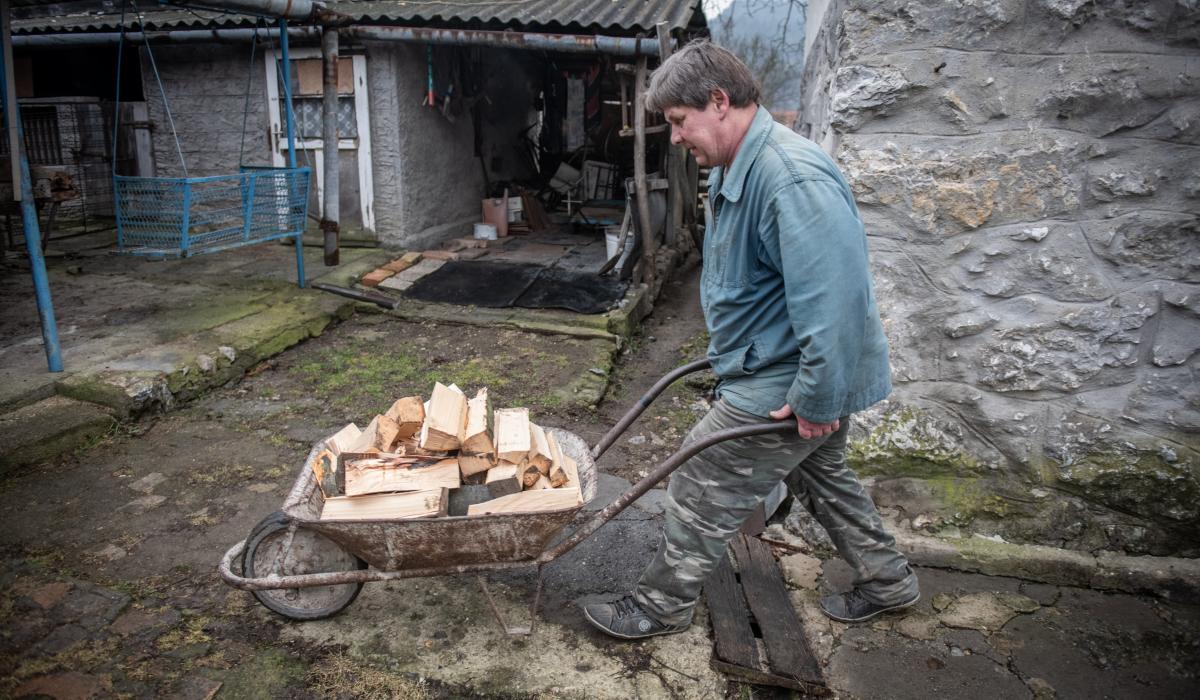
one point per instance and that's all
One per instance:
(731, 183)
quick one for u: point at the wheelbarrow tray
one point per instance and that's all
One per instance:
(443, 542)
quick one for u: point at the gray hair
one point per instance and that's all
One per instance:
(689, 76)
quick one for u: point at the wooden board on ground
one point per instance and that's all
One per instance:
(532, 501)
(364, 476)
(758, 595)
(512, 434)
(445, 420)
(387, 506)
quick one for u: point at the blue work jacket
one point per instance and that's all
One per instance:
(786, 286)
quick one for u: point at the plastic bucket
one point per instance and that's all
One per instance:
(612, 239)
(485, 232)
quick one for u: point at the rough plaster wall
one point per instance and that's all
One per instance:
(439, 180)
(206, 91)
(1028, 173)
(382, 64)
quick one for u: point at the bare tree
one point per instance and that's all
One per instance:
(766, 35)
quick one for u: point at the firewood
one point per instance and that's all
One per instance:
(377, 475)
(512, 434)
(388, 506)
(558, 475)
(445, 420)
(367, 440)
(324, 466)
(477, 437)
(542, 482)
(339, 441)
(527, 502)
(470, 465)
(502, 479)
(529, 475)
(409, 414)
(539, 449)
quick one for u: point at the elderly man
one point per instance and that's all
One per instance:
(795, 335)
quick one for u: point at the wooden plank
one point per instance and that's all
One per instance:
(477, 436)
(503, 479)
(445, 420)
(733, 635)
(788, 653)
(409, 415)
(756, 523)
(387, 506)
(512, 434)
(527, 502)
(364, 476)
(539, 449)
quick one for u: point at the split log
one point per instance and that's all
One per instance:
(529, 475)
(512, 434)
(379, 436)
(542, 482)
(388, 506)
(470, 465)
(503, 479)
(477, 437)
(527, 502)
(364, 476)
(409, 414)
(445, 420)
(324, 467)
(339, 441)
(558, 475)
(539, 449)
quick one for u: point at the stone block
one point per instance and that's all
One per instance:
(1148, 245)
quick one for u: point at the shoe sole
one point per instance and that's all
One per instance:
(891, 608)
(618, 635)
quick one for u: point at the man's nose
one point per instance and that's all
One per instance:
(676, 138)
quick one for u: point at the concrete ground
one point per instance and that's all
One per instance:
(108, 551)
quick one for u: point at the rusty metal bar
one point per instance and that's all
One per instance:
(330, 216)
(334, 578)
(643, 403)
(661, 472)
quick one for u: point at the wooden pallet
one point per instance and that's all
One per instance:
(758, 635)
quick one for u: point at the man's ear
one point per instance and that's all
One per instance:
(720, 100)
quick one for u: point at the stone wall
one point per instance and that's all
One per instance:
(1029, 174)
(427, 182)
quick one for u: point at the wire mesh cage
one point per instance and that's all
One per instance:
(189, 216)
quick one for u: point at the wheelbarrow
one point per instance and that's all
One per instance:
(305, 568)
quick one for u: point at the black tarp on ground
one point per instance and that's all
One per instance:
(498, 285)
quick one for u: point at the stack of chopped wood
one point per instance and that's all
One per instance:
(448, 456)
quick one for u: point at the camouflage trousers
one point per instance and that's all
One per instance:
(714, 492)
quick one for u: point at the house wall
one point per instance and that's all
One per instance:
(427, 182)
(1027, 174)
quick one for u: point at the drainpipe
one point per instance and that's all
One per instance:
(280, 9)
(23, 191)
(329, 144)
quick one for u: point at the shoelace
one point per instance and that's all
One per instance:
(855, 598)
(626, 607)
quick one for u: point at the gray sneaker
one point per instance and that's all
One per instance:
(853, 606)
(625, 619)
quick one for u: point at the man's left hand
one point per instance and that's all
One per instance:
(807, 429)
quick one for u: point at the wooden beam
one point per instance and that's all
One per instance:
(387, 506)
(527, 502)
(382, 475)
(639, 173)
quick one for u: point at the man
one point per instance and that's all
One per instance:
(795, 335)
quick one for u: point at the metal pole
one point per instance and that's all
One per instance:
(329, 144)
(287, 92)
(29, 218)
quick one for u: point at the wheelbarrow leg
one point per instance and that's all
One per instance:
(514, 630)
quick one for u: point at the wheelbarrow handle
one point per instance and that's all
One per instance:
(643, 403)
(661, 472)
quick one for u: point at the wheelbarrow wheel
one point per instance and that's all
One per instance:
(268, 551)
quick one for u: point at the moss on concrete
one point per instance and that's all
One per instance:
(49, 428)
(1137, 481)
(908, 443)
(268, 675)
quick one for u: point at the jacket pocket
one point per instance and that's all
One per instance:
(732, 363)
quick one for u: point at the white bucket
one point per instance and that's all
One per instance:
(485, 232)
(612, 238)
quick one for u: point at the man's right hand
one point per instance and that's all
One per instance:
(807, 429)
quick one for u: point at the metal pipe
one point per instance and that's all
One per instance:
(282, 9)
(567, 43)
(643, 403)
(286, 66)
(29, 220)
(661, 472)
(330, 216)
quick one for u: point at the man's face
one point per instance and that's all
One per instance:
(699, 131)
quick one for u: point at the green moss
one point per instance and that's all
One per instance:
(1136, 481)
(907, 443)
(269, 674)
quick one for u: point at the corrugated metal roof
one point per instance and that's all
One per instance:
(617, 17)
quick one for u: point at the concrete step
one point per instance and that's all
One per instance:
(48, 428)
